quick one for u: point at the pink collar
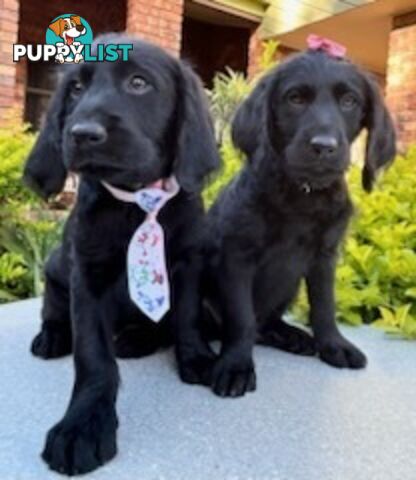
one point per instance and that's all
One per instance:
(168, 185)
(150, 199)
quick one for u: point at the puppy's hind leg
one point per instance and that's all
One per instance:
(276, 333)
(55, 337)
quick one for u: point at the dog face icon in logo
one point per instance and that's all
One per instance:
(67, 30)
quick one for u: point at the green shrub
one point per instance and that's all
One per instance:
(28, 230)
(13, 284)
(28, 241)
(376, 278)
(228, 91)
(267, 58)
(232, 161)
(15, 144)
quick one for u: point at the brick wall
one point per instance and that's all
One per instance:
(159, 21)
(401, 83)
(9, 17)
(254, 54)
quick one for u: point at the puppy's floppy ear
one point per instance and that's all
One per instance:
(57, 26)
(44, 171)
(196, 150)
(249, 121)
(381, 142)
(76, 19)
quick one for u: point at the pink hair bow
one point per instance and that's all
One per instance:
(333, 49)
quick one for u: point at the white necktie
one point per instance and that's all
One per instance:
(148, 280)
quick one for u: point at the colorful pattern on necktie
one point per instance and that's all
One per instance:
(147, 274)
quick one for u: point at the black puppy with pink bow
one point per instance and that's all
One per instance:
(125, 280)
(283, 217)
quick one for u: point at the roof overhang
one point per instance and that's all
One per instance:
(283, 16)
(241, 10)
(364, 30)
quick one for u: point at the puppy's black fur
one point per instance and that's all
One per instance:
(128, 123)
(283, 217)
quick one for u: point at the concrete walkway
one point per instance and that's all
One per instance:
(307, 421)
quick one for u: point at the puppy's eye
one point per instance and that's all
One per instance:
(348, 101)
(76, 88)
(138, 85)
(66, 27)
(296, 98)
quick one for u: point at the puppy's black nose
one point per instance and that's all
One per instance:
(89, 133)
(324, 145)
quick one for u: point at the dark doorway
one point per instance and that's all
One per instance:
(213, 40)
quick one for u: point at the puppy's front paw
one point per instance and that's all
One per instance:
(78, 445)
(340, 353)
(196, 364)
(52, 343)
(233, 377)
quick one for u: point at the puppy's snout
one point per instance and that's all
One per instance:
(89, 134)
(324, 145)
